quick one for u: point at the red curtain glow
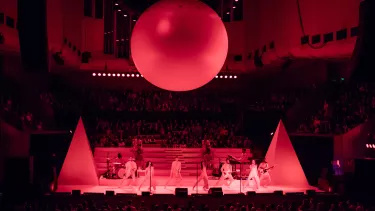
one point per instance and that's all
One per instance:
(179, 45)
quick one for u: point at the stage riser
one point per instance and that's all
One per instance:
(163, 158)
(189, 182)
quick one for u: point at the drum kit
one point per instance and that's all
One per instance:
(115, 170)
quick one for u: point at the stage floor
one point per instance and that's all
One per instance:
(187, 182)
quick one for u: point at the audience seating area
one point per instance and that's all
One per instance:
(350, 105)
(260, 202)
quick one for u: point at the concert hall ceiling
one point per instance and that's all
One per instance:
(139, 6)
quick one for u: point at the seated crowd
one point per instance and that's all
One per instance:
(172, 133)
(292, 205)
(18, 116)
(351, 106)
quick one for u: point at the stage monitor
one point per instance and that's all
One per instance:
(182, 192)
(216, 191)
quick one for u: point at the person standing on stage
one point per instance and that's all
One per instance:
(138, 154)
(203, 177)
(226, 173)
(253, 175)
(175, 172)
(265, 177)
(243, 159)
(130, 168)
(149, 176)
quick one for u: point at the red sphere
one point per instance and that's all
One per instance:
(179, 45)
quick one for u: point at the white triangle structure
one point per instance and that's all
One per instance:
(288, 171)
(79, 166)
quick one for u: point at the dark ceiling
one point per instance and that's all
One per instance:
(141, 5)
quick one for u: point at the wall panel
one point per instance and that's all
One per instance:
(55, 24)
(9, 8)
(278, 21)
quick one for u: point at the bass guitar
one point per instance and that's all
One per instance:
(265, 170)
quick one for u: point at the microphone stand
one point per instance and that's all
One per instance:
(240, 177)
(150, 169)
(197, 178)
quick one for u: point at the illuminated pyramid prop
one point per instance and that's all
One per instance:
(288, 170)
(79, 167)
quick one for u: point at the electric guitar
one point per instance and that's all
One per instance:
(265, 170)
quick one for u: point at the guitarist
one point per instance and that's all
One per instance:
(226, 173)
(264, 175)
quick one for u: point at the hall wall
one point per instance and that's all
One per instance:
(269, 21)
(9, 8)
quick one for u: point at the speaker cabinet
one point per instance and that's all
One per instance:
(86, 56)
(182, 192)
(215, 191)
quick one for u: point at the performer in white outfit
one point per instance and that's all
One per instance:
(253, 175)
(175, 172)
(226, 173)
(203, 177)
(264, 175)
(130, 168)
(149, 176)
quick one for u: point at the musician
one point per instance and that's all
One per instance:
(203, 177)
(253, 175)
(138, 154)
(149, 176)
(175, 172)
(130, 168)
(226, 173)
(265, 177)
(119, 159)
(208, 157)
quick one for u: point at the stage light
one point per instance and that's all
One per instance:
(127, 75)
(234, 7)
(93, 74)
(367, 146)
(114, 75)
(123, 75)
(118, 74)
(230, 76)
(137, 75)
(373, 145)
(271, 133)
(221, 76)
(225, 76)
(125, 15)
(228, 13)
(177, 49)
(119, 10)
(116, 4)
(134, 20)
(235, 76)
(216, 76)
(103, 74)
(142, 76)
(132, 75)
(99, 74)
(109, 74)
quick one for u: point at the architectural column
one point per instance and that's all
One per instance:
(231, 11)
(130, 33)
(115, 33)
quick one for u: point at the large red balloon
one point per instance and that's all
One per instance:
(179, 45)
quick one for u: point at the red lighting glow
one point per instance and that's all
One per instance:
(179, 45)
(94, 74)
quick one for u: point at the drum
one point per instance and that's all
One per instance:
(120, 172)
